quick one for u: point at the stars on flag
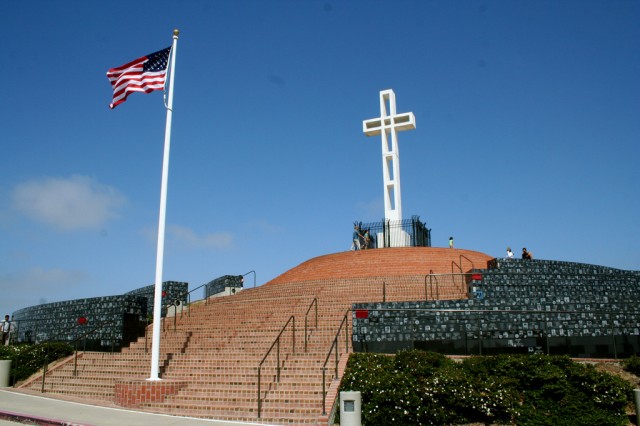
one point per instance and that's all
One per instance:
(144, 74)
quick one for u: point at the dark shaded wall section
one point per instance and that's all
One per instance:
(172, 292)
(99, 323)
(515, 306)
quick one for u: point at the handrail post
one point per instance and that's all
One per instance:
(346, 333)
(44, 369)
(326, 361)
(259, 399)
(75, 365)
(324, 391)
(146, 332)
(469, 260)
(305, 334)
(336, 372)
(426, 294)
(254, 277)
(276, 343)
(278, 359)
(314, 301)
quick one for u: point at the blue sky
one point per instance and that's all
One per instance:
(528, 134)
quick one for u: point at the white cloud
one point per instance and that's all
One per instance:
(185, 235)
(67, 204)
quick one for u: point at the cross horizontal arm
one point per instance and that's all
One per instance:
(374, 127)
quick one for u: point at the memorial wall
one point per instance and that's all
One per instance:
(515, 306)
(98, 323)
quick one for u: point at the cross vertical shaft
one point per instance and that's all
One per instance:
(388, 125)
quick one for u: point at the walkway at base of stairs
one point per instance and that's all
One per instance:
(26, 408)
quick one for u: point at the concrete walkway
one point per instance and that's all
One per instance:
(19, 407)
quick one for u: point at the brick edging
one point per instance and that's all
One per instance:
(134, 393)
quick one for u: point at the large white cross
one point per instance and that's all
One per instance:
(389, 123)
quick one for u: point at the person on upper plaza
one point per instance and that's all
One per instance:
(526, 254)
(7, 327)
(356, 238)
(450, 242)
(367, 239)
(509, 253)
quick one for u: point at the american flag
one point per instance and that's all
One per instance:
(145, 74)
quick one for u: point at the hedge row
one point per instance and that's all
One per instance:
(425, 388)
(28, 359)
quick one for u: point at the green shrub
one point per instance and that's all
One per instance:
(632, 365)
(556, 390)
(28, 359)
(420, 363)
(417, 387)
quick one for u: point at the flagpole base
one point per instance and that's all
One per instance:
(135, 393)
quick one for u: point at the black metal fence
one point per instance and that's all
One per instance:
(396, 233)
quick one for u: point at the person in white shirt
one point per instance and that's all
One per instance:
(7, 328)
(509, 253)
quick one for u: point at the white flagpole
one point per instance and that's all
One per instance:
(157, 300)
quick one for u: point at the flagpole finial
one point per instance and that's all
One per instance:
(176, 32)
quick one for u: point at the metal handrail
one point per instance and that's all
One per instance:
(76, 340)
(453, 262)
(463, 284)
(324, 366)
(254, 277)
(313, 302)
(206, 299)
(84, 337)
(431, 277)
(276, 342)
(175, 304)
(469, 260)
(188, 294)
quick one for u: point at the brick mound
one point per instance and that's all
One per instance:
(398, 261)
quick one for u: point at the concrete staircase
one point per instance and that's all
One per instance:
(217, 345)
